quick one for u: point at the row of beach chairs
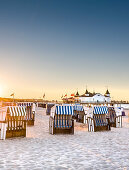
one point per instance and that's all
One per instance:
(98, 118)
(13, 119)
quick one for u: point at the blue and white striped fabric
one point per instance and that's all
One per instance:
(64, 110)
(100, 110)
(78, 108)
(100, 121)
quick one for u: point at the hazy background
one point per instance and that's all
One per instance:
(57, 46)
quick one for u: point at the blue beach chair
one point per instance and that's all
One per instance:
(99, 120)
(60, 120)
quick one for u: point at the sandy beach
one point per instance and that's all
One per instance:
(83, 150)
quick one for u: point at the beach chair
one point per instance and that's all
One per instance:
(112, 116)
(30, 112)
(60, 121)
(14, 122)
(118, 117)
(115, 116)
(87, 113)
(48, 108)
(98, 121)
(79, 113)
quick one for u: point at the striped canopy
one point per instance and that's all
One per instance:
(64, 110)
(16, 110)
(100, 110)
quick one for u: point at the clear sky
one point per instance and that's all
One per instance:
(57, 46)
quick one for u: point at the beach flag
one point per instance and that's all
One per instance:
(72, 94)
(65, 95)
(44, 95)
(12, 94)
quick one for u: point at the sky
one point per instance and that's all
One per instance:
(58, 46)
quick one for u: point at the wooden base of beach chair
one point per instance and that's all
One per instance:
(63, 130)
(16, 133)
(16, 127)
(102, 128)
(30, 123)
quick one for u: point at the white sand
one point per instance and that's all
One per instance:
(83, 150)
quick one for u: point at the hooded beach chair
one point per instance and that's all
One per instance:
(48, 108)
(115, 116)
(14, 122)
(99, 121)
(60, 120)
(112, 116)
(78, 113)
(118, 111)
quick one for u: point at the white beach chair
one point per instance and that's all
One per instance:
(118, 117)
(98, 120)
(87, 113)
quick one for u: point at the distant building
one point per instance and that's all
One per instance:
(88, 97)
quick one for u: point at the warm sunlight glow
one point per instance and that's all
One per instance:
(0, 91)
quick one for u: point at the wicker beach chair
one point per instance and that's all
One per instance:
(14, 122)
(79, 113)
(112, 116)
(48, 108)
(118, 117)
(99, 121)
(60, 121)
